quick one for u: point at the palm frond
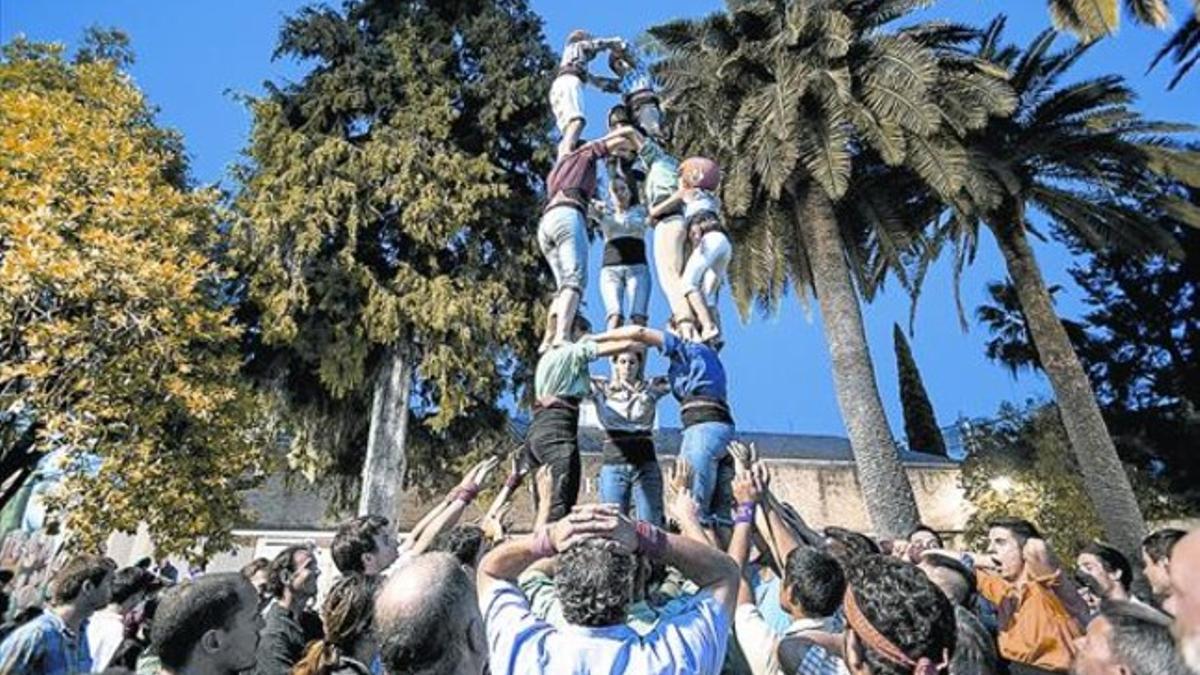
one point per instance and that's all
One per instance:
(1087, 19)
(896, 81)
(1104, 223)
(1150, 12)
(823, 147)
(941, 161)
(1184, 48)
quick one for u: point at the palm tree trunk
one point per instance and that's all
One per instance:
(1104, 477)
(383, 468)
(886, 491)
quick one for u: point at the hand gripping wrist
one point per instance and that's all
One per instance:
(652, 542)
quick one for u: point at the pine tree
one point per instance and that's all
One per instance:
(385, 230)
(920, 424)
(117, 353)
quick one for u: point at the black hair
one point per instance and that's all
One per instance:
(595, 583)
(814, 581)
(1112, 561)
(1158, 545)
(423, 639)
(925, 528)
(905, 607)
(129, 581)
(462, 542)
(855, 544)
(68, 582)
(1021, 528)
(254, 567)
(975, 650)
(354, 538)
(187, 611)
(284, 564)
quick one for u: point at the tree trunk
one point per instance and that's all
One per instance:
(886, 490)
(383, 468)
(1103, 475)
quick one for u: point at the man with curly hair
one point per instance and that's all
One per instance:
(897, 621)
(596, 546)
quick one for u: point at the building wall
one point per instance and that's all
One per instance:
(825, 493)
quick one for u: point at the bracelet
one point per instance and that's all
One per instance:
(543, 547)
(467, 494)
(744, 513)
(513, 481)
(652, 541)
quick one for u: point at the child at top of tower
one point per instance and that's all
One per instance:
(637, 92)
(566, 94)
(699, 179)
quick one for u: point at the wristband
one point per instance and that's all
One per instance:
(513, 481)
(652, 542)
(543, 547)
(744, 513)
(467, 494)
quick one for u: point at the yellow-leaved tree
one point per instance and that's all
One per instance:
(115, 342)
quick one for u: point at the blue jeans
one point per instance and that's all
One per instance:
(641, 481)
(562, 237)
(704, 447)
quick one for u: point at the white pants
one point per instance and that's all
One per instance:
(625, 282)
(706, 266)
(566, 100)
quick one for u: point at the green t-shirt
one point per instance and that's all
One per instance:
(563, 371)
(662, 172)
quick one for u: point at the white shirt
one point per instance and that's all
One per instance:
(760, 643)
(105, 633)
(692, 641)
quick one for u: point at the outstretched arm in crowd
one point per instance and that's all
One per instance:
(631, 335)
(506, 562)
(683, 507)
(504, 497)
(747, 493)
(451, 509)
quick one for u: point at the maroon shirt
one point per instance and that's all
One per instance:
(575, 174)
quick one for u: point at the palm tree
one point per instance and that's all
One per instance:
(1092, 19)
(833, 130)
(1184, 47)
(1080, 155)
(1010, 344)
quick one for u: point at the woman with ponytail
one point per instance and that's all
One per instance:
(349, 646)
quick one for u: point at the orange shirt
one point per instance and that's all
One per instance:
(1041, 632)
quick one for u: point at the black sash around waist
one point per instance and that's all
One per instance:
(700, 409)
(555, 422)
(640, 98)
(572, 198)
(625, 251)
(706, 221)
(628, 447)
(572, 69)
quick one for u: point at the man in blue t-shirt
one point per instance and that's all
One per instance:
(697, 379)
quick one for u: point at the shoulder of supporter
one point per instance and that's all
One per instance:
(584, 350)
(26, 644)
(990, 585)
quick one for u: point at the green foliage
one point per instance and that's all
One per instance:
(1019, 464)
(388, 203)
(920, 424)
(116, 348)
(792, 94)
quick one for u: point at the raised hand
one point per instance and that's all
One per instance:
(683, 507)
(495, 524)
(681, 475)
(745, 488)
(544, 481)
(761, 475)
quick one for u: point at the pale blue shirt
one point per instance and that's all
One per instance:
(690, 641)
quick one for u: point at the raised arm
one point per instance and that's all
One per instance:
(683, 507)
(632, 333)
(747, 494)
(461, 496)
(506, 562)
(609, 85)
(667, 205)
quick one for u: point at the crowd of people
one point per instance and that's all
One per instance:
(715, 574)
(600, 591)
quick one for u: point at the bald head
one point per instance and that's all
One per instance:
(428, 620)
(1185, 595)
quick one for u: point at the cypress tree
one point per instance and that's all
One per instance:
(920, 425)
(385, 231)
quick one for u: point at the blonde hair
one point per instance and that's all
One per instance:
(348, 615)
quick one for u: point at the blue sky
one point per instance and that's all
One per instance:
(191, 55)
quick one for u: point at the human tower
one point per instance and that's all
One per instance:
(648, 189)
